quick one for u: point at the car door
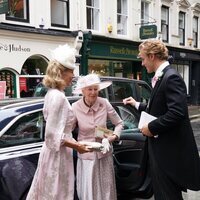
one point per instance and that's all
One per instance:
(20, 143)
(130, 156)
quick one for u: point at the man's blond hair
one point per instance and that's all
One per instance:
(155, 47)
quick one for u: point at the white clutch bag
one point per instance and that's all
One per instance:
(96, 146)
(100, 132)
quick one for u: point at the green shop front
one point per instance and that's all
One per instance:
(111, 57)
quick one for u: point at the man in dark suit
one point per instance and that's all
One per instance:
(173, 156)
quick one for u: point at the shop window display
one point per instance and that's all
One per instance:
(32, 74)
(9, 78)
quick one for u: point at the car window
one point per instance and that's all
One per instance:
(122, 90)
(144, 92)
(27, 129)
(40, 90)
(130, 119)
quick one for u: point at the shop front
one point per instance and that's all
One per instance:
(114, 57)
(111, 57)
(24, 59)
(187, 63)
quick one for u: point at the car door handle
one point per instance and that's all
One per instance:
(119, 142)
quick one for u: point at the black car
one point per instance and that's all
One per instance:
(22, 129)
(120, 89)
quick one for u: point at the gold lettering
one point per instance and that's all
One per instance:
(122, 51)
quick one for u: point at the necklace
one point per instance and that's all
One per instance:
(86, 103)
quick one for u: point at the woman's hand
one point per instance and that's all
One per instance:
(111, 138)
(82, 148)
(72, 143)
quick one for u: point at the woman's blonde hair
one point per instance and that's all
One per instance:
(155, 47)
(53, 77)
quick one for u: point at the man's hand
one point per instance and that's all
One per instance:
(145, 131)
(129, 100)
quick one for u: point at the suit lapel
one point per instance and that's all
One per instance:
(156, 87)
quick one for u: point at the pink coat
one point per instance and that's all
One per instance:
(89, 118)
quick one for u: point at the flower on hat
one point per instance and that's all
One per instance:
(65, 55)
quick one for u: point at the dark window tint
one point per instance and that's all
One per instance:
(123, 90)
(27, 129)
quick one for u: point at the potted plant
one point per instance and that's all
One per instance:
(12, 7)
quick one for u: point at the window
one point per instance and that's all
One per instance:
(18, 10)
(144, 12)
(60, 13)
(122, 17)
(115, 68)
(183, 69)
(32, 73)
(182, 28)
(195, 31)
(144, 92)
(129, 118)
(123, 90)
(10, 78)
(92, 10)
(27, 129)
(165, 23)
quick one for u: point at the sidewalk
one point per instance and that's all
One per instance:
(194, 111)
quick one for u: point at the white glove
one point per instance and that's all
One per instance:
(106, 145)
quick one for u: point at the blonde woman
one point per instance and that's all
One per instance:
(54, 177)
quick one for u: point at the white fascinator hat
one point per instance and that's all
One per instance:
(90, 80)
(65, 55)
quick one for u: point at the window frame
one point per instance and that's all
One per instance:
(18, 19)
(144, 12)
(181, 28)
(165, 23)
(195, 32)
(93, 15)
(67, 15)
(122, 17)
(183, 69)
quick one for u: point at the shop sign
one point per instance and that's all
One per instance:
(13, 48)
(149, 31)
(2, 89)
(113, 51)
(22, 83)
(3, 6)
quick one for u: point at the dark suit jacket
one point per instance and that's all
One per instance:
(175, 149)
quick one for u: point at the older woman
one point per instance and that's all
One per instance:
(54, 177)
(95, 171)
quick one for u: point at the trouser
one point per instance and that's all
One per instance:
(164, 188)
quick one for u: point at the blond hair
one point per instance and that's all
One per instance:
(155, 47)
(53, 77)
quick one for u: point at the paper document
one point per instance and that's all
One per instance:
(145, 118)
(100, 132)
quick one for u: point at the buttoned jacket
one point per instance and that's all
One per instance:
(88, 118)
(175, 149)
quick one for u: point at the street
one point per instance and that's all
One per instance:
(196, 129)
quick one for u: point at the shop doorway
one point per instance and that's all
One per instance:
(32, 73)
(195, 84)
(10, 78)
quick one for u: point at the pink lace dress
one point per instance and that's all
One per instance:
(54, 177)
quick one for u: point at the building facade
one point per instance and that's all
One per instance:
(111, 32)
